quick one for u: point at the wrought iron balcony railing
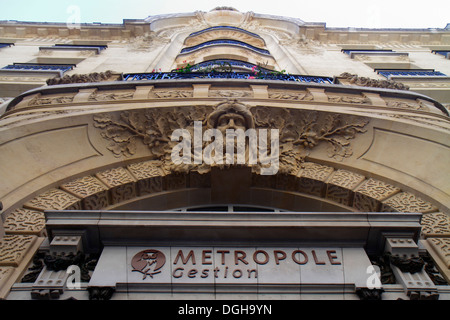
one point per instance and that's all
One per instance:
(225, 65)
(82, 46)
(97, 48)
(225, 42)
(39, 67)
(445, 53)
(410, 73)
(4, 45)
(226, 75)
(349, 51)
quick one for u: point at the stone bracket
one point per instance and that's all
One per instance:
(49, 285)
(409, 272)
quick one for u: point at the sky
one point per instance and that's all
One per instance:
(335, 13)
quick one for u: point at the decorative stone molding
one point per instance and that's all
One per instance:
(25, 221)
(442, 247)
(370, 193)
(312, 178)
(231, 94)
(291, 95)
(153, 128)
(341, 185)
(13, 248)
(120, 182)
(435, 225)
(172, 94)
(149, 126)
(6, 277)
(93, 193)
(301, 131)
(85, 78)
(138, 91)
(407, 202)
(44, 101)
(54, 199)
(148, 175)
(111, 96)
(147, 178)
(354, 79)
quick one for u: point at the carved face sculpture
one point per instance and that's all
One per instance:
(231, 121)
(231, 115)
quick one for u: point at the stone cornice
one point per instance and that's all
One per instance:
(321, 93)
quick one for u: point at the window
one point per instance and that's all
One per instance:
(225, 42)
(229, 208)
(365, 51)
(445, 53)
(96, 48)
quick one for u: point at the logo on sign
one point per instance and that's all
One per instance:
(148, 262)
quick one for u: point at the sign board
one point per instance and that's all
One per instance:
(231, 265)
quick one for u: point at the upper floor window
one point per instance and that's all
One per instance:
(231, 28)
(96, 48)
(445, 53)
(225, 42)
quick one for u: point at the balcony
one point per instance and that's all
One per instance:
(226, 75)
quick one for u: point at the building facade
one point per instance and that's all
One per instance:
(224, 155)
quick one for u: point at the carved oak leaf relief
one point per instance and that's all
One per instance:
(302, 130)
(299, 131)
(152, 127)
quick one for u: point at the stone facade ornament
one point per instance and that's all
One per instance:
(85, 78)
(300, 131)
(354, 79)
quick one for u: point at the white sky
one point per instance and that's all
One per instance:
(335, 13)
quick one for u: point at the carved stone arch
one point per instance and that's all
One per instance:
(146, 186)
(102, 147)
